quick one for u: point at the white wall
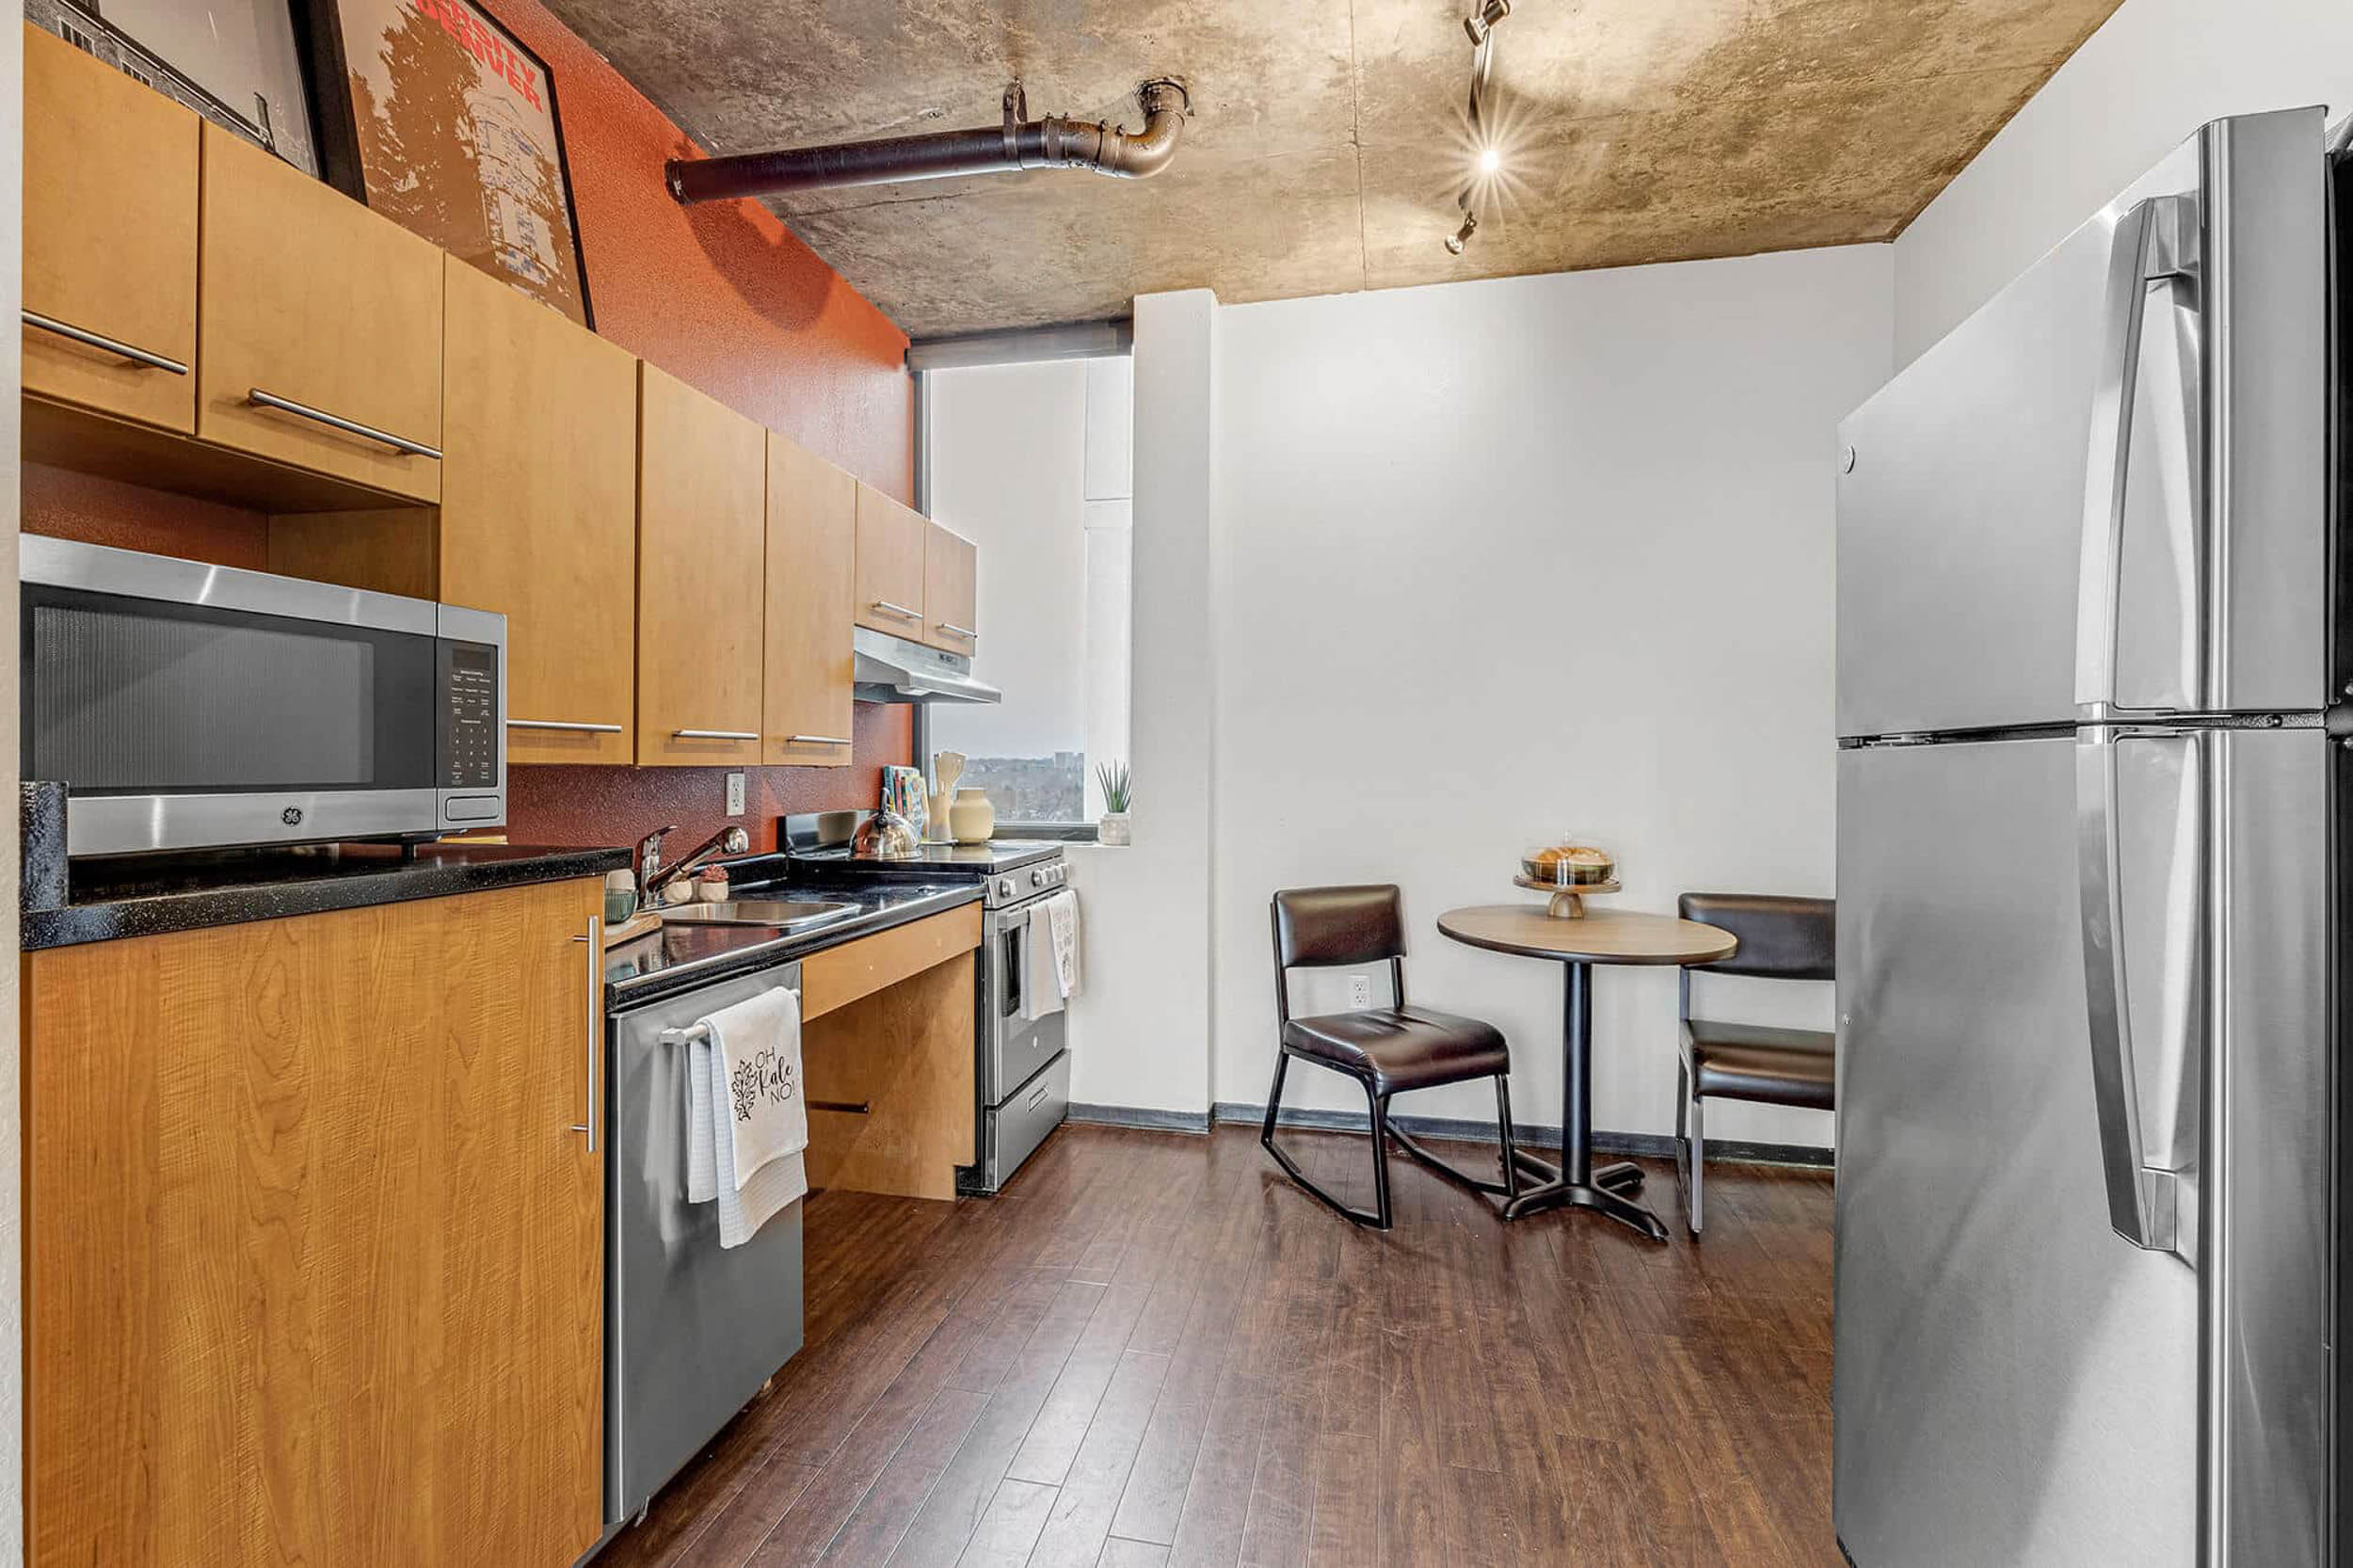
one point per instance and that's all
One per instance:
(1140, 1032)
(1501, 560)
(1008, 457)
(2144, 82)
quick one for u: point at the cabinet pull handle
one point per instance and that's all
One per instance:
(964, 631)
(851, 1107)
(88, 339)
(596, 1019)
(817, 740)
(260, 399)
(715, 735)
(564, 725)
(899, 610)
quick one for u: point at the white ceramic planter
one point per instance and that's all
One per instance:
(1113, 829)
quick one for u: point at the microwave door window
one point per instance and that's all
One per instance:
(135, 697)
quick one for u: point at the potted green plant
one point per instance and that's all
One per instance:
(1113, 829)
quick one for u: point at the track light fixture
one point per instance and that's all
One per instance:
(1483, 21)
(1487, 162)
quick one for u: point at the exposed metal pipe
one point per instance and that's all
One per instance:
(1053, 142)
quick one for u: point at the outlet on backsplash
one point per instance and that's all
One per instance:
(1359, 991)
(735, 794)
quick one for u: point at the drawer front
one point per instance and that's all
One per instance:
(311, 299)
(1011, 1132)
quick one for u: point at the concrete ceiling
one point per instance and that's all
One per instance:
(1328, 140)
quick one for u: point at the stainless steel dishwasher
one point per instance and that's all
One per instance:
(692, 1329)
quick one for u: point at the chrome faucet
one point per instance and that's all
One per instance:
(653, 875)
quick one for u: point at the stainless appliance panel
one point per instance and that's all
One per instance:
(1012, 1047)
(102, 569)
(2015, 1383)
(692, 1329)
(119, 824)
(1011, 1132)
(2109, 484)
(2267, 1239)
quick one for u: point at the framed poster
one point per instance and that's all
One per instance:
(436, 116)
(236, 62)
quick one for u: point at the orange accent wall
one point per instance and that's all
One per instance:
(722, 296)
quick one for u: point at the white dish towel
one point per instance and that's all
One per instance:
(1054, 957)
(748, 1116)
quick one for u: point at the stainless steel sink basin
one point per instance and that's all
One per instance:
(782, 914)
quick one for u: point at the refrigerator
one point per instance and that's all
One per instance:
(2092, 847)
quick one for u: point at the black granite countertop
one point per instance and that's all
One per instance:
(142, 896)
(681, 957)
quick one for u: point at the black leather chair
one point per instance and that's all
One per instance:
(1781, 938)
(1387, 1050)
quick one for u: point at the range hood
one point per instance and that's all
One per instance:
(892, 670)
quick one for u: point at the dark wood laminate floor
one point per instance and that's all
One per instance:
(1154, 1351)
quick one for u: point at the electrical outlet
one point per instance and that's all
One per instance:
(735, 794)
(1359, 991)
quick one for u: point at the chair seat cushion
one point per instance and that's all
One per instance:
(1753, 1061)
(1401, 1049)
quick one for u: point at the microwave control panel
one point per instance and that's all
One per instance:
(470, 716)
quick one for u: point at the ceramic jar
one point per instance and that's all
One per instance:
(973, 817)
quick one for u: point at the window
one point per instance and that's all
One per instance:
(1030, 462)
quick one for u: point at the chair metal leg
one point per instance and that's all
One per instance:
(1683, 1121)
(1380, 1105)
(1509, 1188)
(1379, 1218)
(1699, 1159)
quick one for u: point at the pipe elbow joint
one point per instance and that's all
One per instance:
(1140, 156)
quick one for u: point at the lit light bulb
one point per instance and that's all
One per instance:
(1460, 237)
(1489, 159)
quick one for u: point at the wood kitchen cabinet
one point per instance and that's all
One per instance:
(812, 601)
(950, 591)
(110, 238)
(703, 529)
(312, 299)
(315, 1258)
(539, 514)
(890, 565)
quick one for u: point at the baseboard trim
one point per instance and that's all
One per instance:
(1139, 1116)
(1653, 1145)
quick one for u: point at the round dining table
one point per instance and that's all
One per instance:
(1601, 936)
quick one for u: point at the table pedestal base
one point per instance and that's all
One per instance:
(1601, 1194)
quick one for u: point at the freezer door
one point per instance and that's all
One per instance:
(2084, 1146)
(2109, 487)
(2015, 1384)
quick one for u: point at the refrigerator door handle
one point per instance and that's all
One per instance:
(2156, 242)
(2152, 1206)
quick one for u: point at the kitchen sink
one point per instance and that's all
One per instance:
(784, 915)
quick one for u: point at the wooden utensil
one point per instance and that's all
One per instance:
(948, 766)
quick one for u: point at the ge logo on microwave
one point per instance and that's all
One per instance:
(290, 816)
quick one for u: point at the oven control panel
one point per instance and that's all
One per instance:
(1027, 882)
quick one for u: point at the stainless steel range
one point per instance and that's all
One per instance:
(1021, 1062)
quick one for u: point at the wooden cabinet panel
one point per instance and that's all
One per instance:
(890, 565)
(702, 527)
(539, 514)
(812, 600)
(904, 1053)
(840, 975)
(314, 1263)
(311, 297)
(110, 222)
(950, 590)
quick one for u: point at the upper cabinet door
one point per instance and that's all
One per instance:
(322, 327)
(539, 514)
(702, 532)
(812, 601)
(110, 220)
(890, 565)
(950, 591)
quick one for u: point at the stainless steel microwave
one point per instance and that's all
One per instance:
(186, 705)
